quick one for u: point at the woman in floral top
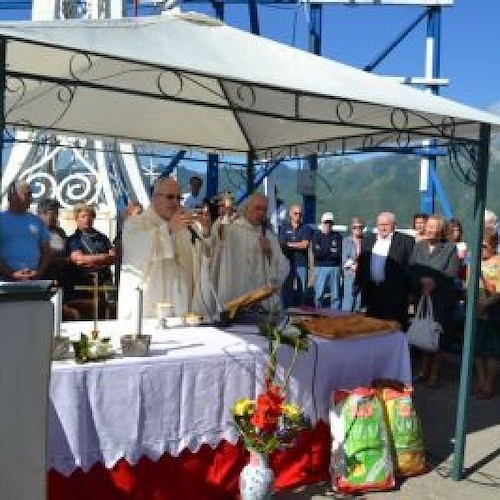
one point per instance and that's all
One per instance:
(488, 325)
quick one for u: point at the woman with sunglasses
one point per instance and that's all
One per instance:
(351, 248)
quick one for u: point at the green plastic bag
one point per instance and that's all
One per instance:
(361, 455)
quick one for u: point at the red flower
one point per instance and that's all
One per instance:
(268, 409)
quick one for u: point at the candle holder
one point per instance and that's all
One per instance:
(164, 312)
(86, 349)
(61, 348)
(135, 345)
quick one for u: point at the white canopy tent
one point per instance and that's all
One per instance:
(191, 81)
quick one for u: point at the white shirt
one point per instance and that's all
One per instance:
(191, 202)
(379, 257)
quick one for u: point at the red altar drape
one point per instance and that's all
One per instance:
(208, 474)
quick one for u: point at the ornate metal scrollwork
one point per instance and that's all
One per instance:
(463, 159)
(448, 127)
(165, 87)
(15, 86)
(64, 95)
(344, 111)
(80, 63)
(399, 119)
(246, 96)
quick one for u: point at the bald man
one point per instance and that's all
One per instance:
(295, 237)
(165, 253)
(382, 274)
(247, 255)
(24, 239)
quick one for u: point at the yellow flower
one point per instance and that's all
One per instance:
(291, 410)
(243, 407)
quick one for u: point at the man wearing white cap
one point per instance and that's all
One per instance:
(327, 250)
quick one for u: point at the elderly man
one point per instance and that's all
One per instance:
(382, 272)
(294, 237)
(163, 254)
(248, 255)
(24, 239)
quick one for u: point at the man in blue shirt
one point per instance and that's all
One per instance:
(294, 237)
(327, 250)
(24, 239)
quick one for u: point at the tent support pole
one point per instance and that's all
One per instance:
(213, 159)
(250, 173)
(472, 293)
(212, 175)
(3, 49)
(312, 160)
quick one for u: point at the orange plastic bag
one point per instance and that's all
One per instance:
(405, 431)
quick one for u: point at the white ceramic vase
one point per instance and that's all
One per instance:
(256, 478)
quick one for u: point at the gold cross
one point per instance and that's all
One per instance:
(95, 289)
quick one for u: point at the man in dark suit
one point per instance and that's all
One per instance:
(382, 272)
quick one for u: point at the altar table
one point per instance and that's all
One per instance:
(159, 427)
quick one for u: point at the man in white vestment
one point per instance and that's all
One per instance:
(164, 253)
(247, 255)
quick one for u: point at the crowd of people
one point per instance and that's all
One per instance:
(197, 255)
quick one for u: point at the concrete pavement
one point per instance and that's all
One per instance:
(437, 409)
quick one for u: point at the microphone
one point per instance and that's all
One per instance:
(264, 226)
(194, 235)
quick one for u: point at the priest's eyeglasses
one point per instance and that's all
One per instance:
(169, 196)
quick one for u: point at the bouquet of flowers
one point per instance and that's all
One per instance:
(269, 422)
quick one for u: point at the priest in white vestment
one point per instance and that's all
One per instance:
(164, 253)
(247, 255)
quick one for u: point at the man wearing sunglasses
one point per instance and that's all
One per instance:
(163, 253)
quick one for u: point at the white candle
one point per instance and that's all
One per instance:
(57, 299)
(138, 329)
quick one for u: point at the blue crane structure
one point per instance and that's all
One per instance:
(430, 186)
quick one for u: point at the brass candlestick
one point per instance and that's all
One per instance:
(95, 289)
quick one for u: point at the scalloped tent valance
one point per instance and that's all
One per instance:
(188, 80)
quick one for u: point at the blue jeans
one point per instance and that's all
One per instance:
(322, 277)
(294, 287)
(350, 302)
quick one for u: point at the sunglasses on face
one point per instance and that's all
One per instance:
(168, 196)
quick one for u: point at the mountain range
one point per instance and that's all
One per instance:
(364, 185)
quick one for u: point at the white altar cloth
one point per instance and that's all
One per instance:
(179, 397)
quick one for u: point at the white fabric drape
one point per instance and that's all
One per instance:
(180, 396)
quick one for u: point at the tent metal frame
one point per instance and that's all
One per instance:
(443, 133)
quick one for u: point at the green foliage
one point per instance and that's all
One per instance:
(364, 185)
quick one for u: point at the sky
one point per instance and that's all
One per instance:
(356, 35)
